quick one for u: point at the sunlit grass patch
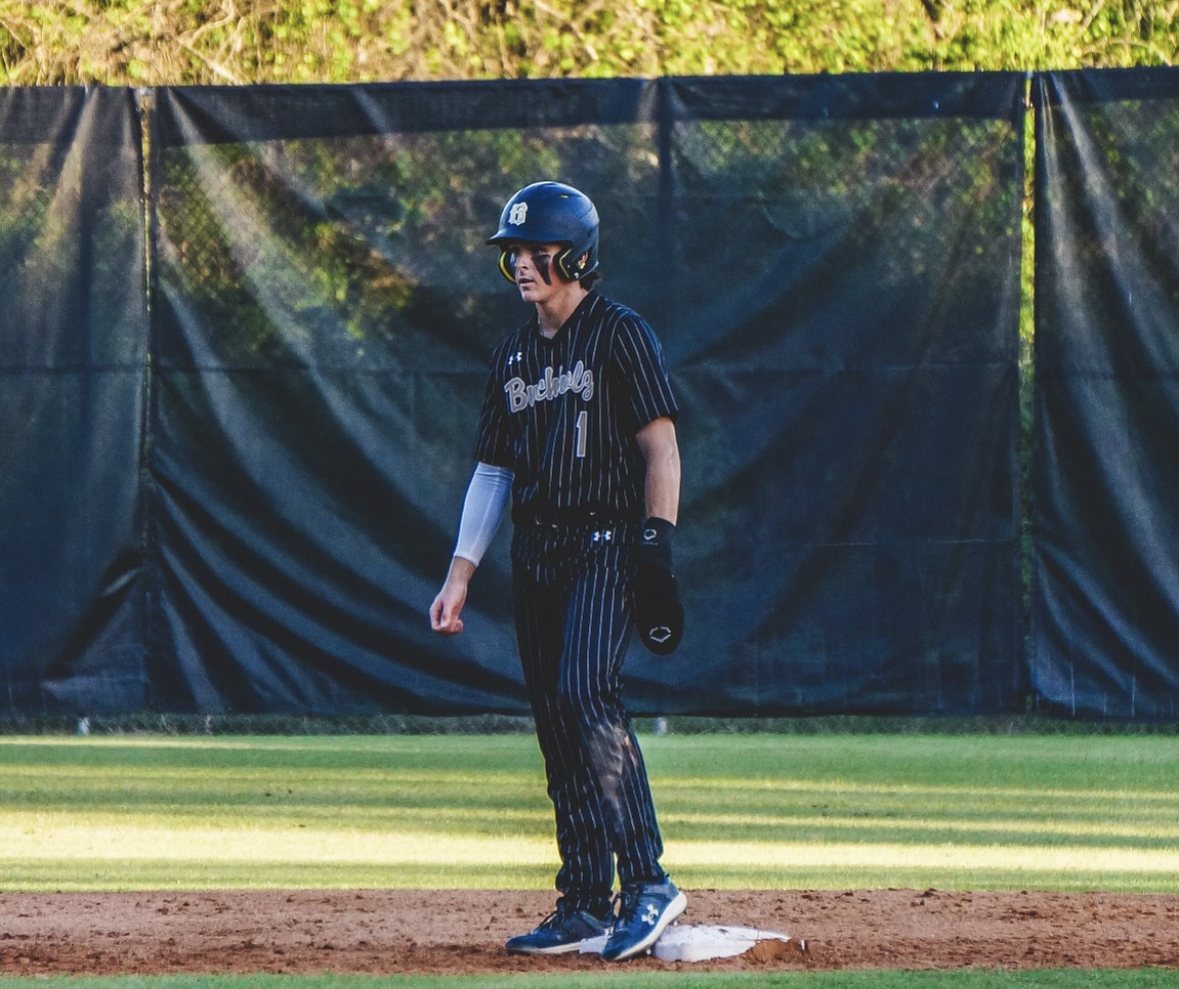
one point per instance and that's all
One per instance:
(742, 811)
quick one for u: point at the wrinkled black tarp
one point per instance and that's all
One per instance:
(832, 264)
(73, 342)
(1106, 520)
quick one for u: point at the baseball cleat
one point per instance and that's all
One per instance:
(646, 912)
(561, 931)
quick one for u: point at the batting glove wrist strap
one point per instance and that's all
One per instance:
(655, 546)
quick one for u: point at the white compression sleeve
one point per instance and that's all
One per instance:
(483, 510)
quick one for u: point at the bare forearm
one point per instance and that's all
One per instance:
(461, 571)
(663, 488)
(658, 443)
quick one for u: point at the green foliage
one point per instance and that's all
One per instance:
(314, 248)
(184, 42)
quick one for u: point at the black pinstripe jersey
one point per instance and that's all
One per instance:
(562, 413)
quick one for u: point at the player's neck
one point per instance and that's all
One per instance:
(553, 312)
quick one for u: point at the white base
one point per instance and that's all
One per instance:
(688, 943)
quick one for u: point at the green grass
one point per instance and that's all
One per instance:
(738, 811)
(971, 979)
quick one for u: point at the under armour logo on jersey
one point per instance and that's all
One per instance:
(518, 214)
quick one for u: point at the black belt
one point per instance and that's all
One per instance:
(591, 517)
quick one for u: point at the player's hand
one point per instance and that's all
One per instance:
(444, 615)
(447, 609)
(659, 614)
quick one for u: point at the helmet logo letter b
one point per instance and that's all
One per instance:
(550, 213)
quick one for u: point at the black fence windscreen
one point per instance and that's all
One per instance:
(1106, 523)
(844, 261)
(73, 340)
(833, 267)
(832, 264)
(326, 310)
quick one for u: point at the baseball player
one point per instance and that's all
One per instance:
(577, 431)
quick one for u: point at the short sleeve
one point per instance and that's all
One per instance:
(639, 357)
(492, 442)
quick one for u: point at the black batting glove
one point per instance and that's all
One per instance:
(659, 614)
(655, 547)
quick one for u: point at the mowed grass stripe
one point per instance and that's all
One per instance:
(738, 811)
(23, 840)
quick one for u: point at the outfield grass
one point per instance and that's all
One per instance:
(738, 811)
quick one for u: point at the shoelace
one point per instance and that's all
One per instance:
(554, 919)
(563, 913)
(628, 903)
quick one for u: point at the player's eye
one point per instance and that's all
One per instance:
(537, 258)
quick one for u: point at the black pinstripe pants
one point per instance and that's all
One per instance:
(572, 588)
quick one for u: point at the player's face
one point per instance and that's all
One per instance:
(536, 277)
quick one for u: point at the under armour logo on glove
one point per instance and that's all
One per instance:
(659, 614)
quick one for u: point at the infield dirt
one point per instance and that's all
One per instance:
(453, 932)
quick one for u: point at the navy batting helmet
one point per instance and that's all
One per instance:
(551, 213)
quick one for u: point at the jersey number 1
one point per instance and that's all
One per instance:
(580, 430)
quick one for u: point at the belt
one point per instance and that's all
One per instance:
(584, 517)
